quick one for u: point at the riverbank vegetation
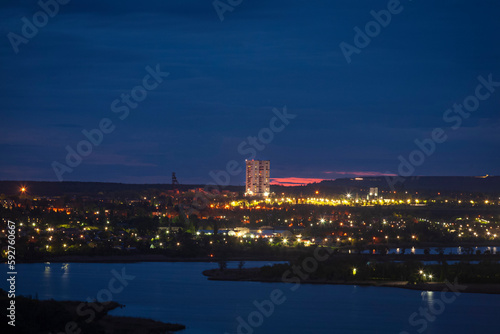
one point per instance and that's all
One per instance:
(51, 316)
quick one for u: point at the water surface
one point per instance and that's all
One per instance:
(177, 292)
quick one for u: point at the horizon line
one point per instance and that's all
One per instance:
(242, 185)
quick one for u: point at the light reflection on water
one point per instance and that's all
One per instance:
(177, 292)
(436, 250)
(428, 297)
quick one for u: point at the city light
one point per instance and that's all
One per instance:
(205, 133)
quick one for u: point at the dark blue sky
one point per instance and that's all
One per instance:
(227, 76)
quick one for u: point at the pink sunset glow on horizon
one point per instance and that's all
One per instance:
(302, 181)
(295, 181)
(359, 173)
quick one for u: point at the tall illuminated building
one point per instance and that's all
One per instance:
(257, 177)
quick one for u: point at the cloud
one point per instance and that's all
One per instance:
(116, 159)
(16, 173)
(67, 125)
(227, 76)
(294, 181)
(359, 173)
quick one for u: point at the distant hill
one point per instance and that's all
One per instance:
(422, 184)
(444, 184)
(42, 188)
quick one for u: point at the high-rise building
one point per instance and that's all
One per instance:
(257, 177)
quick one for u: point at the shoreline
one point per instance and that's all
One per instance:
(251, 275)
(139, 258)
(133, 258)
(79, 316)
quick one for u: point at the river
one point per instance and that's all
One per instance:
(178, 292)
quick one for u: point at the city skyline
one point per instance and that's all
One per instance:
(137, 141)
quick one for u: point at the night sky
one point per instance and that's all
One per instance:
(226, 78)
